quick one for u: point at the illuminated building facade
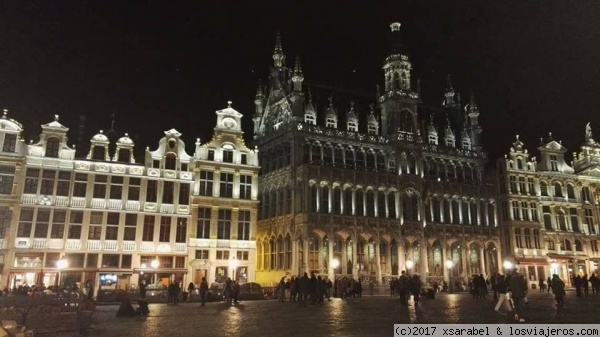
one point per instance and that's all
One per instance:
(550, 209)
(115, 221)
(370, 191)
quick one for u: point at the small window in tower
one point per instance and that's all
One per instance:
(52, 147)
(99, 153)
(433, 140)
(449, 142)
(466, 145)
(124, 155)
(156, 163)
(330, 123)
(10, 143)
(227, 156)
(172, 143)
(352, 126)
(170, 161)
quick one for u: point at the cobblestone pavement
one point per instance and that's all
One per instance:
(369, 316)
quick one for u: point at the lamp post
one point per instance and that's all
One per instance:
(554, 267)
(233, 263)
(60, 265)
(335, 263)
(449, 265)
(409, 265)
(508, 266)
(154, 264)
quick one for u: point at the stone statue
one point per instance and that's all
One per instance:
(588, 133)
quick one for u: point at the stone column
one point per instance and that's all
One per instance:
(354, 258)
(442, 217)
(388, 265)
(397, 202)
(480, 222)
(461, 215)
(378, 261)
(424, 264)
(482, 262)
(353, 201)
(305, 253)
(401, 257)
(344, 262)
(463, 253)
(401, 207)
(294, 267)
(444, 259)
(330, 270)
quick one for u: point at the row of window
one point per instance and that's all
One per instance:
(240, 255)
(226, 184)
(518, 185)
(76, 260)
(203, 226)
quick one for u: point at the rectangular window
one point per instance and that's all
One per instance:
(42, 222)
(243, 232)
(242, 255)
(134, 189)
(75, 260)
(75, 222)
(244, 159)
(513, 184)
(168, 191)
(553, 162)
(589, 220)
(32, 180)
(531, 186)
(94, 232)
(522, 185)
(525, 211)
(130, 227)
(585, 194)
(7, 174)
(10, 143)
(594, 245)
(211, 155)
(166, 261)
(547, 217)
(148, 232)
(112, 226)
(202, 254)
(116, 188)
(63, 184)
(51, 259)
(227, 156)
(224, 225)
(534, 212)
(518, 238)
(151, 190)
(100, 186)
(527, 234)
(156, 163)
(59, 219)
(206, 183)
(515, 210)
(181, 230)
(48, 177)
(25, 223)
(92, 261)
(536, 239)
(226, 185)
(179, 262)
(126, 261)
(245, 187)
(203, 225)
(110, 260)
(80, 185)
(184, 193)
(164, 234)
(5, 215)
(222, 255)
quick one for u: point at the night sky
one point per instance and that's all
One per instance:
(533, 65)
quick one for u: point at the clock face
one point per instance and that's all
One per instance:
(229, 122)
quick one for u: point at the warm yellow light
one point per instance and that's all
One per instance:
(335, 263)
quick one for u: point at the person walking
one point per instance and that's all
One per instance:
(558, 288)
(293, 289)
(203, 291)
(236, 291)
(549, 281)
(501, 289)
(303, 287)
(518, 290)
(415, 289)
(281, 289)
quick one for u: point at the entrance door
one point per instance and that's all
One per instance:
(198, 275)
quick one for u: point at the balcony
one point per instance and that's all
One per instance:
(150, 207)
(73, 244)
(56, 243)
(78, 202)
(29, 199)
(180, 247)
(115, 204)
(199, 242)
(98, 203)
(132, 205)
(61, 201)
(167, 208)
(94, 245)
(39, 244)
(110, 245)
(170, 174)
(128, 246)
(147, 246)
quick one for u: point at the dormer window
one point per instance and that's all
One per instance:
(449, 142)
(211, 154)
(10, 143)
(466, 145)
(170, 161)
(553, 162)
(310, 119)
(372, 129)
(52, 147)
(331, 123)
(433, 140)
(352, 126)
(184, 167)
(519, 163)
(124, 155)
(244, 159)
(156, 163)
(227, 156)
(99, 153)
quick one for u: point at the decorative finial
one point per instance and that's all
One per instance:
(395, 26)
(229, 104)
(330, 98)
(298, 66)
(126, 134)
(4, 113)
(449, 83)
(352, 105)
(517, 136)
(259, 88)
(56, 118)
(278, 48)
(372, 106)
(309, 96)
(101, 131)
(588, 133)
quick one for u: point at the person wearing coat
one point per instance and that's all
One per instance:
(558, 288)
(518, 289)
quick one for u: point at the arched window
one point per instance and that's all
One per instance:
(316, 153)
(558, 190)
(171, 161)
(313, 198)
(280, 253)
(543, 189)
(519, 164)
(371, 160)
(327, 155)
(455, 211)
(435, 203)
(360, 159)
(360, 211)
(406, 122)
(566, 245)
(348, 201)
(273, 250)
(306, 153)
(324, 208)
(52, 147)
(578, 246)
(380, 162)
(562, 220)
(349, 158)
(339, 156)
(570, 192)
(381, 204)
(337, 200)
(124, 155)
(551, 245)
(392, 205)
(370, 203)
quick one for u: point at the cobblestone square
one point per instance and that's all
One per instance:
(367, 316)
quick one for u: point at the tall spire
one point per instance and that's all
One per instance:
(449, 94)
(278, 56)
(298, 76)
(473, 109)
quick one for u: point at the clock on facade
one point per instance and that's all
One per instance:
(229, 123)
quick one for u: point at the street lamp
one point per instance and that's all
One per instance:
(508, 265)
(60, 265)
(449, 265)
(233, 263)
(409, 265)
(554, 267)
(154, 264)
(335, 263)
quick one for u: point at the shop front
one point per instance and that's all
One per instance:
(534, 270)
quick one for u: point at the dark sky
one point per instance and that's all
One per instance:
(533, 65)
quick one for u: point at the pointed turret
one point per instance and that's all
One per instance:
(331, 117)
(474, 127)
(278, 56)
(372, 123)
(298, 77)
(310, 114)
(449, 136)
(352, 119)
(258, 103)
(449, 94)
(432, 132)
(466, 138)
